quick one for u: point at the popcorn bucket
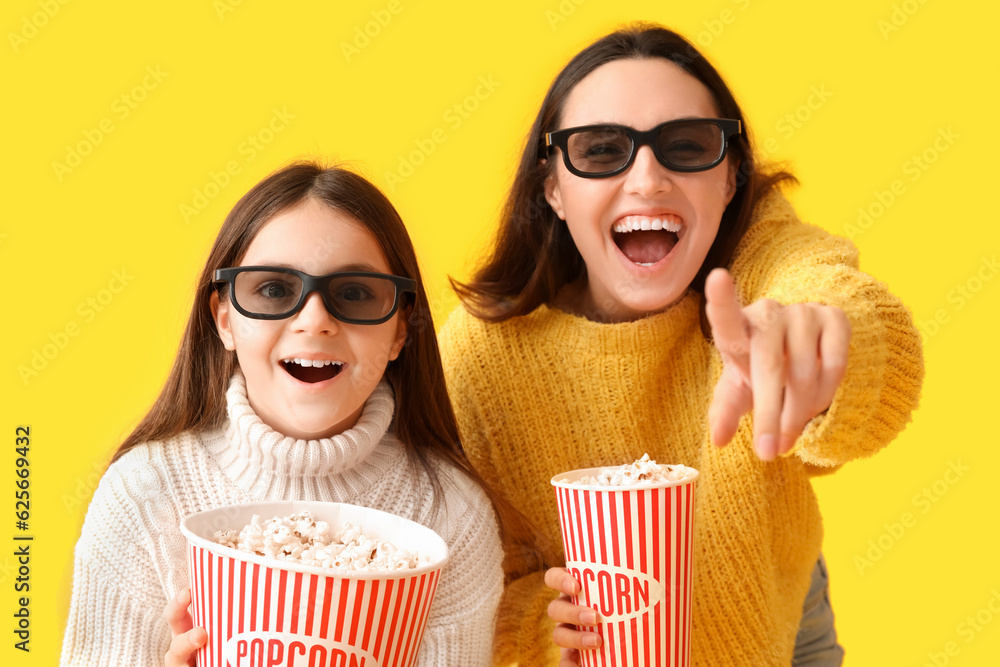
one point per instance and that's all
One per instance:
(630, 549)
(263, 612)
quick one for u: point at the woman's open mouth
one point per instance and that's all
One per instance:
(646, 240)
(312, 370)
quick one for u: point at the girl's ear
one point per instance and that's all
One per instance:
(553, 195)
(220, 313)
(400, 341)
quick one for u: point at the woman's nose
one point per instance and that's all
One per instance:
(647, 177)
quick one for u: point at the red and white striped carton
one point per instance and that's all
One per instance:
(630, 549)
(263, 612)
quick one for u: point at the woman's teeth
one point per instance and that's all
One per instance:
(646, 239)
(637, 223)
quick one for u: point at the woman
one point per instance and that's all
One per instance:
(594, 332)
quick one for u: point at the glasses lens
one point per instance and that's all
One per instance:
(362, 297)
(599, 150)
(690, 145)
(267, 292)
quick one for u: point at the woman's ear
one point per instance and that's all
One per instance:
(734, 170)
(220, 313)
(553, 195)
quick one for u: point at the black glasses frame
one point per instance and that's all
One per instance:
(312, 284)
(560, 139)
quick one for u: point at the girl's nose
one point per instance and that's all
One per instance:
(647, 177)
(314, 317)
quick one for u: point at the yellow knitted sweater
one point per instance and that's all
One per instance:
(550, 392)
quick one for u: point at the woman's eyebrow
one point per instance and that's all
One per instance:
(684, 117)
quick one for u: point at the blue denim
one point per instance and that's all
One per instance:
(816, 644)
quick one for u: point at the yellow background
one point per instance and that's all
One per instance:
(847, 92)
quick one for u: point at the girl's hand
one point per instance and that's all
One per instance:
(566, 615)
(784, 362)
(186, 640)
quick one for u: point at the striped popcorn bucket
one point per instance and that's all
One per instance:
(261, 612)
(630, 549)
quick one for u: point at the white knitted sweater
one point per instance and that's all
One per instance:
(131, 555)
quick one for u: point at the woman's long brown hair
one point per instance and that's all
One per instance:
(193, 398)
(533, 255)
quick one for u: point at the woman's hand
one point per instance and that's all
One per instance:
(784, 362)
(186, 640)
(566, 615)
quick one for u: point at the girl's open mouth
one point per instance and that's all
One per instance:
(312, 371)
(646, 240)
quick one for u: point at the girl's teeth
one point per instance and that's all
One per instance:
(307, 363)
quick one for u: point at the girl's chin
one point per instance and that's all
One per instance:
(313, 433)
(315, 429)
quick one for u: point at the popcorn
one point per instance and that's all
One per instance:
(642, 472)
(300, 538)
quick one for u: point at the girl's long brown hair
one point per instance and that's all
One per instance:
(193, 398)
(533, 255)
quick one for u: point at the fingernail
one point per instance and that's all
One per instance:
(570, 588)
(589, 617)
(718, 440)
(592, 640)
(787, 442)
(765, 447)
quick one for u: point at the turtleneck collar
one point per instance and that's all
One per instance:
(254, 455)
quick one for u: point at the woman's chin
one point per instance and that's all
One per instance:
(629, 307)
(634, 302)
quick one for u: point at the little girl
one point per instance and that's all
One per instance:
(309, 370)
(648, 288)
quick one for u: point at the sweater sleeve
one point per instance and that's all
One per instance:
(461, 623)
(523, 628)
(791, 262)
(117, 603)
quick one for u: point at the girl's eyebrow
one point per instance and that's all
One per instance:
(356, 266)
(359, 267)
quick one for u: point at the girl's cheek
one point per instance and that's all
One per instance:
(373, 366)
(246, 330)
